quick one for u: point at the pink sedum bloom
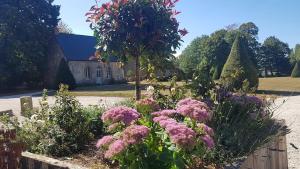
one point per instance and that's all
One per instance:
(122, 114)
(206, 129)
(115, 148)
(179, 133)
(149, 102)
(168, 113)
(194, 109)
(135, 134)
(105, 141)
(209, 142)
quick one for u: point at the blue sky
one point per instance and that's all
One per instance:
(280, 18)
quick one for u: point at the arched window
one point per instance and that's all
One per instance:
(98, 71)
(87, 72)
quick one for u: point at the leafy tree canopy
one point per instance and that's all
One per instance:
(130, 28)
(25, 30)
(275, 56)
(295, 54)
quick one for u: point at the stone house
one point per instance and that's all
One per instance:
(78, 51)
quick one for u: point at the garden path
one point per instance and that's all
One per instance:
(289, 109)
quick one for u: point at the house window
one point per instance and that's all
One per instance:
(108, 75)
(87, 72)
(98, 71)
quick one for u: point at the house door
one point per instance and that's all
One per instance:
(99, 76)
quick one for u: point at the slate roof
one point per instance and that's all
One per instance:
(78, 47)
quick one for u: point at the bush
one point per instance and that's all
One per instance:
(239, 69)
(241, 123)
(164, 139)
(296, 70)
(202, 81)
(64, 76)
(60, 130)
(93, 114)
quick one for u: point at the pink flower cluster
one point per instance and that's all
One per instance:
(120, 114)
(209, 142)
(135, 134)
(149, 102)
(168, 113)
(131, 135)
(194, 109)
(206, 129)
(180, 134)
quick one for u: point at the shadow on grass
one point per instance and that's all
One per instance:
(114, 87)
(278, 93)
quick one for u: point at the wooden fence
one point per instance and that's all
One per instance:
(271, 156)
(10, 149)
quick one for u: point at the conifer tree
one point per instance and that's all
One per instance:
(239, 70)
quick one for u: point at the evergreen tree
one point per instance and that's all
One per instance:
(239, 70)
(64, 76)
(296, 70)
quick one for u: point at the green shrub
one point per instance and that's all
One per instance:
(239, 68)
(93, 114)
(296, 70)
(60, 130)
(242, 124)
(72, 132)
(201, 82)
(64, 76)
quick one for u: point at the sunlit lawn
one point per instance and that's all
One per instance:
(274, 86)
(117, 90)
(279, 85)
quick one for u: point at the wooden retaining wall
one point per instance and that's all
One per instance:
(271, 156)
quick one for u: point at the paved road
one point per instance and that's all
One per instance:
(13, 102)
(289, 109)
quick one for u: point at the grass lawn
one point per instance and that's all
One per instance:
(272, 86)
(117, 90)
(279, 86)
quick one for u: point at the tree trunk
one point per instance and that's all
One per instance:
(137, 78)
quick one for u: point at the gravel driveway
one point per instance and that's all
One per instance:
(289, 109)
(13, 102)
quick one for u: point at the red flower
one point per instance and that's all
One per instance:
(183, 32)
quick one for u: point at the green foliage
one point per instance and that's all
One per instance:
(295, 54)
(242, 124)
(136, 29)
(72, 132)
(26, 29)
(191, 56)
(64, 76)
(239, 69)
(296, 70)
(202, 81)
(59, 130)
(92, 115)
(275, 57)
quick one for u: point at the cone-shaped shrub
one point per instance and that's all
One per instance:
(296, 70)
(64, 76)
(239, 72)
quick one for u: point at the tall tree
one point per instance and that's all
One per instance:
(275, 56)
(295, 60)
(239, 72)
(130, 28)
(191, 56)
(26, 26)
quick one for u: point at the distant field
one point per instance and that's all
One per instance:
(279, 85)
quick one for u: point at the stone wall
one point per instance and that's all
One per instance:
(107, 73)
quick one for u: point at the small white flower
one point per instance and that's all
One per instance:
(173, 89)
(150, 89)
